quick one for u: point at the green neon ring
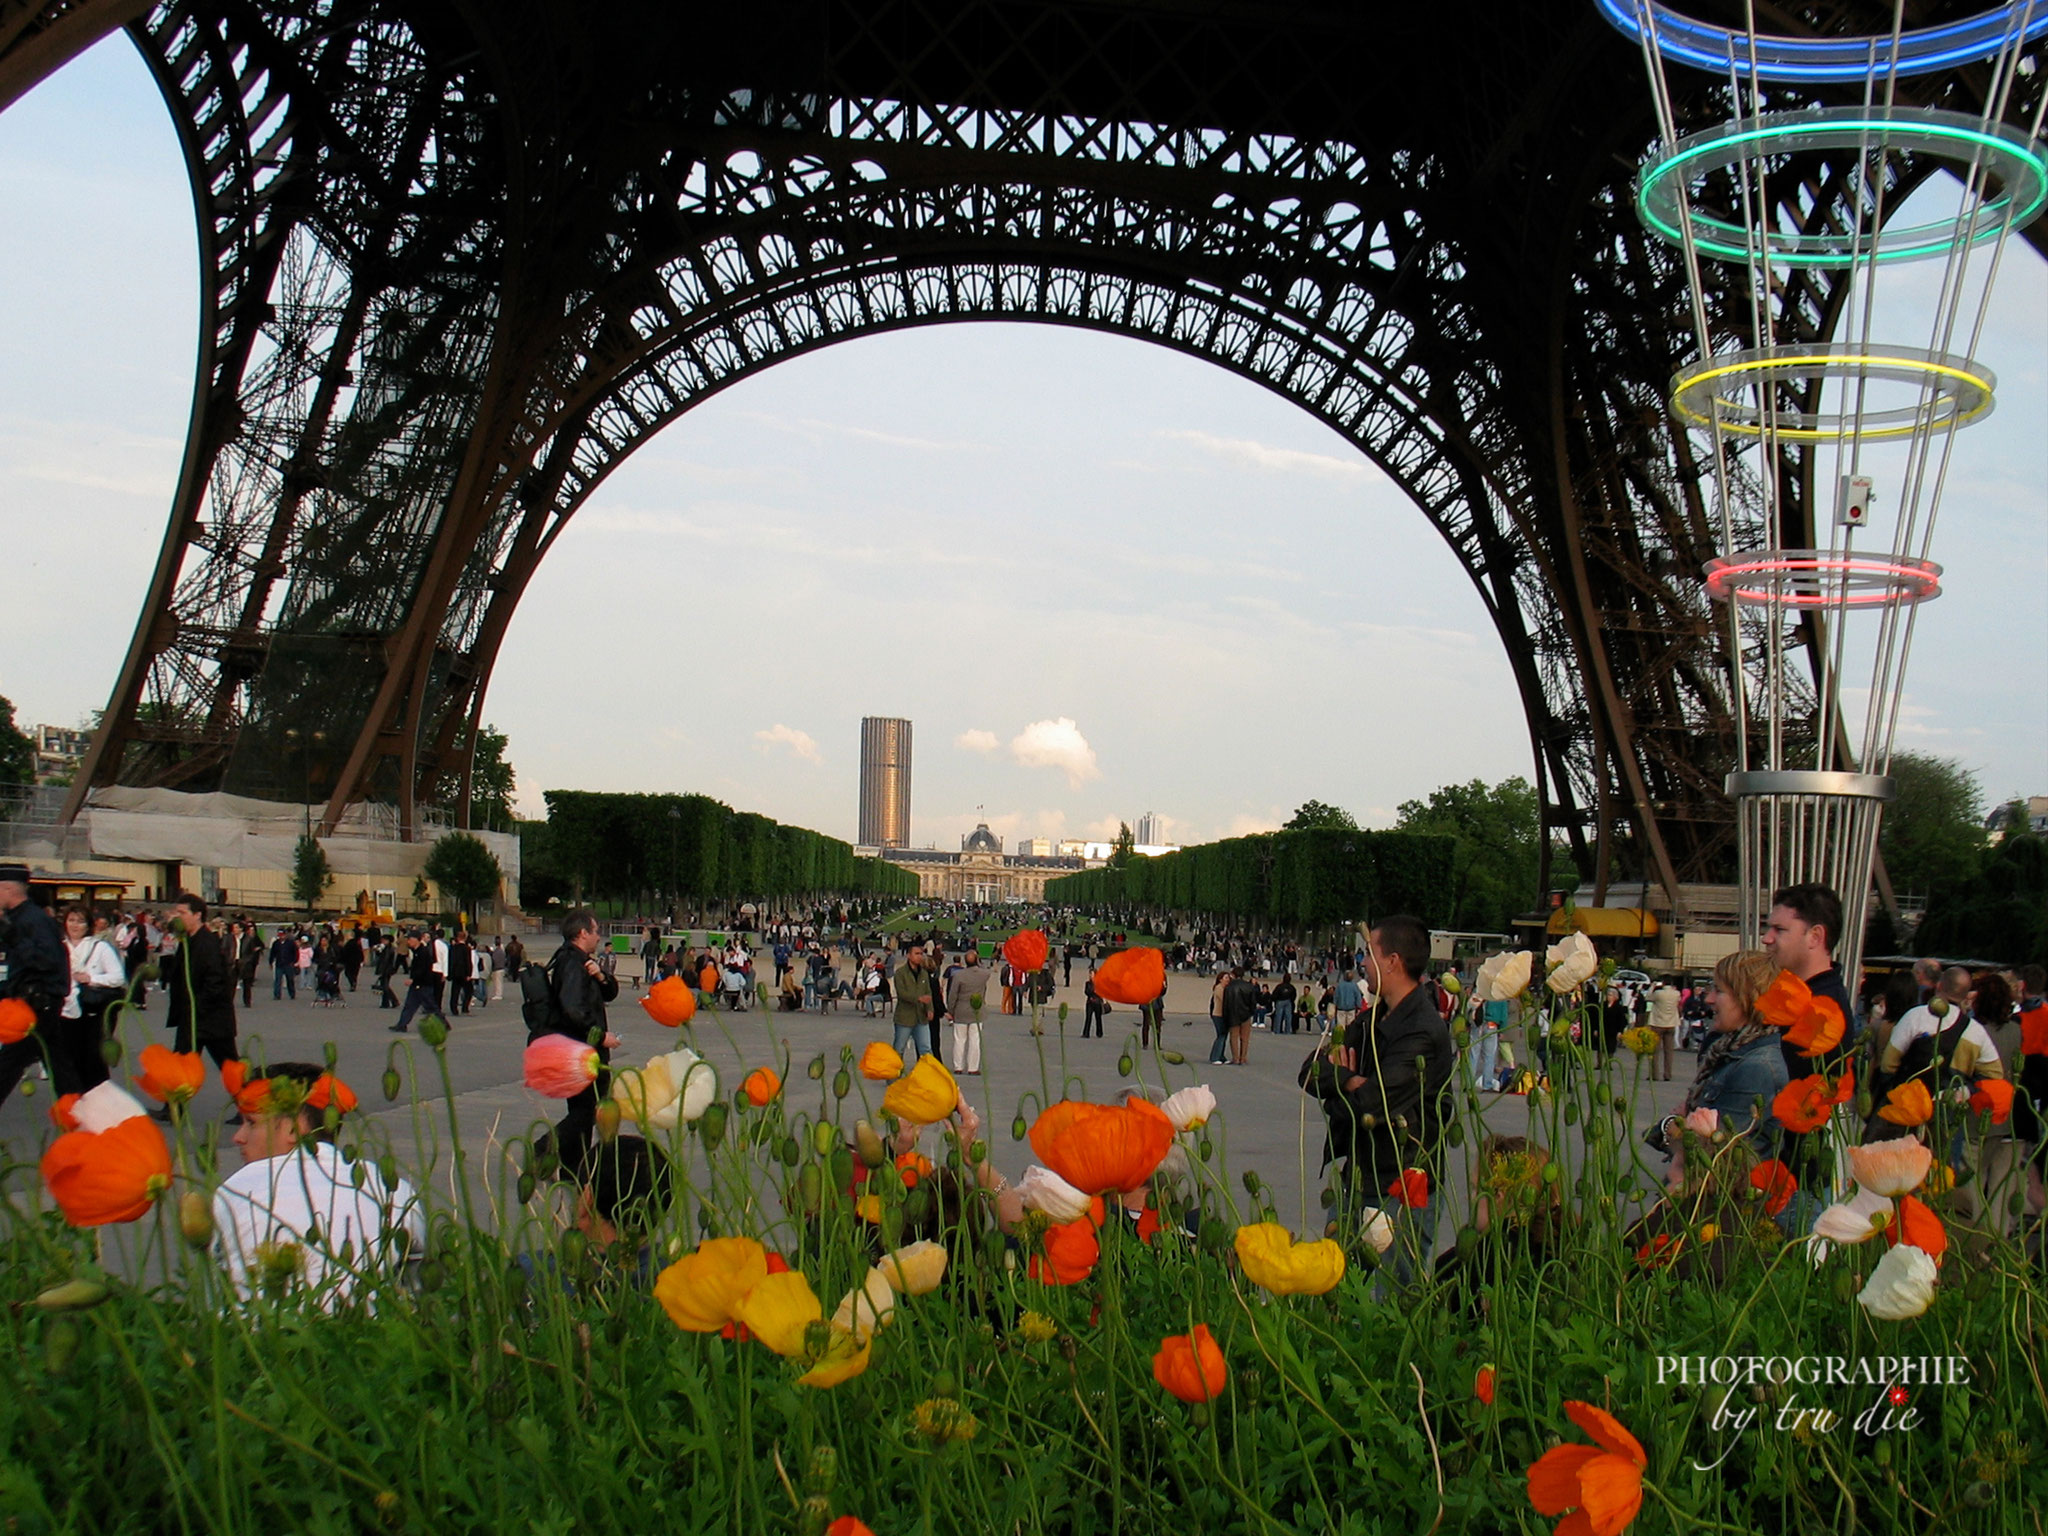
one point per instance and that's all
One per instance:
(1709, 393)
(2013, 162)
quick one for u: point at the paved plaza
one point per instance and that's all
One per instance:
(1264, 1121)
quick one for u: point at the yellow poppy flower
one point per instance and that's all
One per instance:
(1273, 1259)
(915, 1270)
(924, 1095)
(844, 1358)
(779, 1310)
(702, 1291)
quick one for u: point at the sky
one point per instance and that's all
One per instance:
(1101, 578)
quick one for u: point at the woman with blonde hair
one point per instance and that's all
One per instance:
(1743, 1065)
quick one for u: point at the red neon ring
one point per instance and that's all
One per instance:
(1812, 578)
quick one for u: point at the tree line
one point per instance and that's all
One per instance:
(659, 849)
(1304, 879)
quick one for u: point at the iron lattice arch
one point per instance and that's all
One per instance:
(462, 260)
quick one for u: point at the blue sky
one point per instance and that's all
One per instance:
(1100, 577)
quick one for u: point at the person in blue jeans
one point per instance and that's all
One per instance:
(1485, 1047)
(1283, 1006)
(913, 1007)
(284, 966)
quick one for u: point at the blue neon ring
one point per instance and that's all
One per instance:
(2010, 159)
(1823, 60)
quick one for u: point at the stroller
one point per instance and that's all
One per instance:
(327, 981)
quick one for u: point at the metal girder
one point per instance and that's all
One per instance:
(462, 260)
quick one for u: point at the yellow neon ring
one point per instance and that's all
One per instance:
(1964, 391)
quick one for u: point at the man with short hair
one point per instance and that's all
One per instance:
(1240, 1002)
(35, 967)
(913, 1006)
(1800, 932)
(580, 987)
(284, 965)
(1350, 998)
(419, 970)
(295, 1213)
(199, 984)
(966, 996)
(1384, 1086)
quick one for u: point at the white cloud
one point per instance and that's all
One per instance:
(1257, 455)
(1056, 744)
(798, 742)
(983, 742)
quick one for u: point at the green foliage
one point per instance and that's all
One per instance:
(17, 749)
(2001, 914)
(491, 782)
(465, 869)
(1498, 857)
(311, 873)
(519, 1377)
(1124, 849)
(1300, 879)
(1315, 816)
(1933, 834)
(687, 847)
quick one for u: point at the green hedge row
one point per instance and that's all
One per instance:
(693, 847)
(1297, 879)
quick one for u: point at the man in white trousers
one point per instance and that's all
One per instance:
(966, 994)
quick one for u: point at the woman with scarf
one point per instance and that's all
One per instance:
(1743, 1065)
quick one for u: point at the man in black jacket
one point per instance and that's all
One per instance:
(200, 986)
(423, 980)
(36, 968)
(1384, 1087)
(580, 987)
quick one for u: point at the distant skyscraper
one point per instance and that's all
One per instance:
(1151, 829)
(884, 783)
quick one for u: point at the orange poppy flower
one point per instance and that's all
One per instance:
(914, 1165)
(251, 1095)
(1845, 1085)
(60, 1111)
(1131, 976)
(1909, 1104)
(1804, 1104)
(1918, 1227)
(171, 1077)
(1659, 1251)
(879, 1063)
(558, 1066)
(1026, 950)
(98, 1178)
(761, 1086)
(1776, 1182)
(670, 1002)
(1071, 1250)
(1598, 1487)
(16, 1020)
(1190, 1366)
(1102, 1149)
(1812, 1025)
(1482, 1385)
(328, 1089)
(1410, 1189)
(847, 1525)
(1994, 1094)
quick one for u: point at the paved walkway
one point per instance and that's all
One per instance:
(1264, 1121)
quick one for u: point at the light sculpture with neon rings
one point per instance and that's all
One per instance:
(1821, 60)
(1721, 391)
(1820, 578)
(1667, 188)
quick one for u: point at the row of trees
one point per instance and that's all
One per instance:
(657, 849)
(1303, 879)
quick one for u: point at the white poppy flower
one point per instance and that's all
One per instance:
(105, 1107)
(1043, 1190)
(1190, 1107)
(1901, 1286)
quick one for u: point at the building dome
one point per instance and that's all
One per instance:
(981, 840)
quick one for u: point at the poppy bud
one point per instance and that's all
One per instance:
(842, 1083)
(944, 1384)
(393, 1083)
(1251, 1182)
(824, 1136)
(790, 1153)
(1123, 1066)
(711, 1125)
(842, 1167)
(816, 1070)
(195, 1218)
(387, 1170)
(1938, 1006)
(432, 1273)
(1063, 1013)
(73, 1296)
(524, 1189)
(1328, 1198)
(1454, 1133)
(977, 1152)
(1018, 1129)
(869, 1145)
(331, 1055)
(110, 1051)
(434, 1030)
(815, 1516)
(823, 1470)
(358, 1174)
(1204, 1149)
(810, 1184)
(61, 1338)
(575, 1246)
(608, 1114)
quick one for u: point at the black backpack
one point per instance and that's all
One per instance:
(539, 1005)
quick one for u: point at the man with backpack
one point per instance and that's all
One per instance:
(567, 996)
